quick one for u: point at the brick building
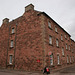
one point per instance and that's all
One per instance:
(34, 41)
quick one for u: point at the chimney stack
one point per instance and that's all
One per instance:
(29, 7)
(6, 20)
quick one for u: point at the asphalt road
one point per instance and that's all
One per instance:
(67, 71)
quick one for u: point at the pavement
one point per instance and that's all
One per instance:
(66, 71)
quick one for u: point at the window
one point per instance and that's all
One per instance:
(58, 59)
(67, 59)
(10, 59)
(72, 50)
(51, 59)
(57, 42)
(50, 39)
(70, 59)
(69, 47)
(73, 58)
(65, 36)
(66, 46)
(68, 38)
(12, 30)
(55, 29)
(49, 24)
(62, 51)
(11, 43)
(61, 37)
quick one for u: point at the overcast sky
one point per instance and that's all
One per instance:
(62, 11)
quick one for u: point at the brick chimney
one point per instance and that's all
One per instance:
(29, 7)
(6, 20)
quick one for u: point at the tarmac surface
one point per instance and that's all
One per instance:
(66, 71)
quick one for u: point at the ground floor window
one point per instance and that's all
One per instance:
(58, 59)
(67, 59)
(10, 59)
(73, 58)
(51, 59)
(70, 59)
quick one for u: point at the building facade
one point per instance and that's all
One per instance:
(33, 41)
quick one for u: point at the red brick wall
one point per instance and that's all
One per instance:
(31, 43)
(3, 44)
(57, 50)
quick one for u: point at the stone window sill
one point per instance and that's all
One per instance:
(57, 46)
(49, 28)
(63, 55)
(50, 44)
(12, 33)
(11, 47)
(10, 64)
(58, 64)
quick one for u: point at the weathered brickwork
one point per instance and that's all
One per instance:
(30, 51)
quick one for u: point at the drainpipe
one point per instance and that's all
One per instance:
(8, 45)
(15, 46)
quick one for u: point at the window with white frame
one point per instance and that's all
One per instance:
(69, 47)
(58, 59)
(70, 59)
(50, 39)
(67, 59)
(61, 37)
(10, 59)
(57, 43)
(11, 43)
(56, 29)
(65, 36)
(12, 30)
(62, 51)
(66, 46)
(49, 24)
(51, 59)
